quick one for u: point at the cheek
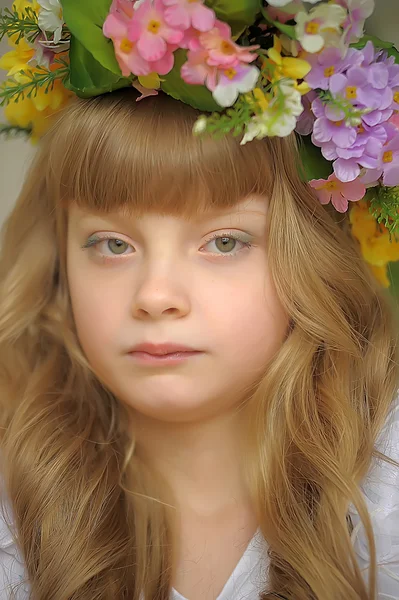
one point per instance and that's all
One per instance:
(95, 314)
(253, 321)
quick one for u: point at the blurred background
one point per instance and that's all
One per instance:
(16, 154)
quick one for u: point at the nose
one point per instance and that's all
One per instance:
(162, 292)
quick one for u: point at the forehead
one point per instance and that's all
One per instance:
(255, 206)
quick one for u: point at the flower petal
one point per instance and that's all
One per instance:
(324, 196)
(177, 16)
(164, 65)
(203, 18)
(346, 170)
(114, 27)
(249, 81)
(312, 43)
(339, 202)
(354, 190)
(391, 175)
(225, 95)
(151, 47)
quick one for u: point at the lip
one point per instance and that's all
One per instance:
(174, 358)
(161, 349)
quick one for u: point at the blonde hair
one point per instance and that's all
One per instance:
(94, 521)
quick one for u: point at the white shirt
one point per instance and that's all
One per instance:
(381, 492)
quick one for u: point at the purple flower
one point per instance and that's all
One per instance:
(365, 87)
(388, 164)
(359, 11)
(358, 139)
(337, 132)
(350, 147)
(329, 62)
(370, 54)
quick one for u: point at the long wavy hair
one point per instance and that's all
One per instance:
(94, 521)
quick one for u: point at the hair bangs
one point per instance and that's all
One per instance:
(141, 157)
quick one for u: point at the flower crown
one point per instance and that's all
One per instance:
(255, 68)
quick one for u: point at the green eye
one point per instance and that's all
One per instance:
(117, 246)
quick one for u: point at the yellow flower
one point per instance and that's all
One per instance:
(42, 100)
(375, 246)
(16, 60)
(21, 5)
(380, 273)
(25, 114)
(287, 66)
(38, 109)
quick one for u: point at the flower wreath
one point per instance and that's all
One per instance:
(254, 68)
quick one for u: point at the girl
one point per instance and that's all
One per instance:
(257, 459)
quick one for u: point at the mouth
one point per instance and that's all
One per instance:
(163, 359)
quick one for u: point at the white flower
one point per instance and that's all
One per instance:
(293, 99)
(50, 17)
(313, 28)
(273, 123)
(233, 81)
(269, 125)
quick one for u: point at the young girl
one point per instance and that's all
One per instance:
(223, 473)
(199, 372)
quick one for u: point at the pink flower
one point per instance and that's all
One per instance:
(338, 192)
(129, 59)
(191, 39)
(123, 7)
(185, 13)
(232, 81)
(196, 70)
(216, 61)
(225, 83)
(151, 32)
(222, 51)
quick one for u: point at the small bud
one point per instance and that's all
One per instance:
(200, 125)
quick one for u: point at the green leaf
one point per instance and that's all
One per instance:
(289, 30)
(389, 47)
(237, 13)
(393, 276)
(313, 165)
(197, 96)
(85, 20)
(87, 76)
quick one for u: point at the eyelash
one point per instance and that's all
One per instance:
(95, 240)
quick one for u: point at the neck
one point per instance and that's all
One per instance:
(201, 461)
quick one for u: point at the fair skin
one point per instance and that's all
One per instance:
(168, 283)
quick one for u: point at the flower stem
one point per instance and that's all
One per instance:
(14, 91)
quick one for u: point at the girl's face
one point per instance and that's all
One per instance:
(163, 279)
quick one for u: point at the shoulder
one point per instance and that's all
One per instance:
(12, 570)
(381, 493)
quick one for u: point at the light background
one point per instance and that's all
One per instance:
(15, 155)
